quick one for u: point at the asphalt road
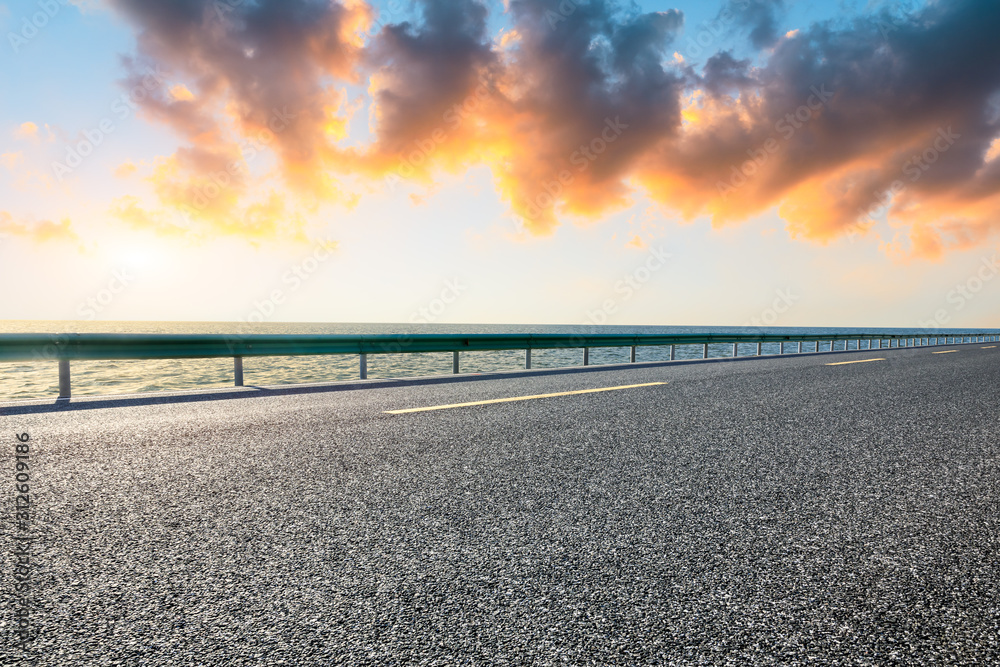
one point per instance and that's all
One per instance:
(772, 511)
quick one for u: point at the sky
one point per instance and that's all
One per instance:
(726, 163)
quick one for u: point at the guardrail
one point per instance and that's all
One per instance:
(69, 347)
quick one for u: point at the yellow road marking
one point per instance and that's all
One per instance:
(945, 352)
(989, 347)
(521, 398)
(863, 361)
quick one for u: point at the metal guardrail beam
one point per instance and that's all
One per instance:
(34, 347)
(68, 347)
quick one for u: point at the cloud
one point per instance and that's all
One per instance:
(26, 130)
(760, 17)
(43, 231)
(897, 113)
(585, 93)
(263, 67)
(129, 210)
(576, 107)
(267, 217)
(430, 77)
(637, 242)
(11, 160)
(126, 169)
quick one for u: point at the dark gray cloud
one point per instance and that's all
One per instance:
(594, 89)
(890, 98)
(428, 67)
(761, 17)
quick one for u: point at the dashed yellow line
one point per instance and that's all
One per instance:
(863, 361)
(989, 347)
(944, 352)
(521, 398)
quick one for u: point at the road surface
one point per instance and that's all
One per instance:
(762, 511)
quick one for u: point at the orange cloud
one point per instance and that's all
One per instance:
(11, 160)
(43, 231)
(126, 169)
(128, 210)
(26, 130)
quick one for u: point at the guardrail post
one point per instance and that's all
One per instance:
(631, 355)
(760, 347)
(800, 347)
(238, 371)
(586, 356)
(736, 349)
(364, 366)
(704, 352)
(64, 383)
(673, 352)
(527, 359)
(454, 362)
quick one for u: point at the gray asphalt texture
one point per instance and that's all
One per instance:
(772, 511)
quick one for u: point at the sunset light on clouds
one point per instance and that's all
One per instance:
(535, 150)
